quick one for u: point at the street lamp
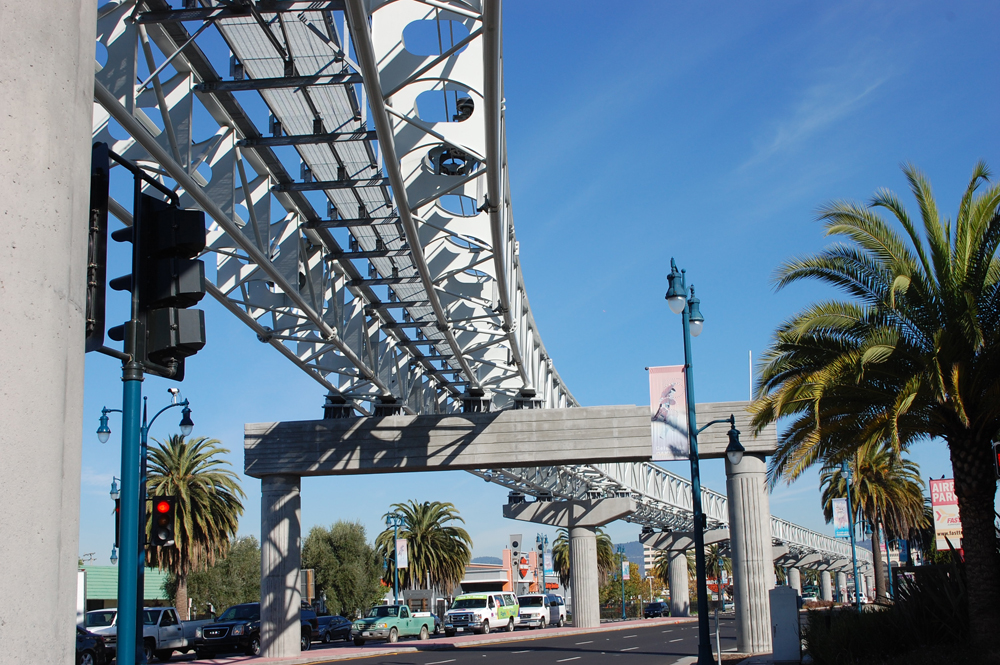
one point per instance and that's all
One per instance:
(114, 555)
(692, 323)
(114, 486)
(395, 520)
(845, 470)
(621, 574)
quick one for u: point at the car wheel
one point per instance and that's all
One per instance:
(327, 638)
(393, 636)
(424, 633)
(147, 649)
(253, 648)
(87, 658)
(541, 623)
(449, 633)
(305, 642)
(358, 642)
(562, 622)
(163, 655)
(486, 627)
(510, 625)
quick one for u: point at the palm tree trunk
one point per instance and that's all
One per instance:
(181, 599)
(975, 488)
(880, 592)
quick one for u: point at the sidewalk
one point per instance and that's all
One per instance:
(329, 654)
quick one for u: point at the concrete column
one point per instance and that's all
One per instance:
(842, 587)
(825, 586)
(280, 560)
(752, 552)
(47, 109)
(583, 576)
(869, 585)
(795, 580)
(677, 580)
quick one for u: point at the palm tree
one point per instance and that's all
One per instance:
(438, 551)
(607, 561)
(887, 491)
(913, 354)
(208, 510)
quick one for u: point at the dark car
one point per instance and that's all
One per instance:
(90, 649)
(333, 628)
(656, 609)
(238, 630)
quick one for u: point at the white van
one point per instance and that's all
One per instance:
(481, 613)
(542, 609)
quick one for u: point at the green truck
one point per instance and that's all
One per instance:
(391, 622)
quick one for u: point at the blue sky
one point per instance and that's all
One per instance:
(636, 132)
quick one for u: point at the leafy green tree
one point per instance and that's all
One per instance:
(636, 588)
(606, 557)
(234, 578)
(438, 550)
(347, 568)
(886, 490)
(209, 505)
(912, 354)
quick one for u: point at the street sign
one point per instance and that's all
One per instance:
(947, 524)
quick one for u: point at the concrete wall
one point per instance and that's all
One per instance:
(47, 72)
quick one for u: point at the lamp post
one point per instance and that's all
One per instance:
(132, 517)
(395, 520)
(621, 574)
(845, 470)
(692, 323)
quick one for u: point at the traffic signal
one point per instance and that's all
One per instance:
(169, 280)
(97, 246)
(164, 516)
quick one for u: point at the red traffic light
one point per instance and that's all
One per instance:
(163, 506)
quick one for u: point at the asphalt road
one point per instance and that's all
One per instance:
(659, 645)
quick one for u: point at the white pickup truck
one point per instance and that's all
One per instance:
(162, 632)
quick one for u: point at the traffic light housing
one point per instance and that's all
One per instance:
(996, 458)
(169, 280)
(163, 522)
(97, 246)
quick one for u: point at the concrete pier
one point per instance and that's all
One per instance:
(825, 586)
(280, 560)
(677, 579)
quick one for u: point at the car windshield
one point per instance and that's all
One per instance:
(100, 619)
(241, 613)
(468, 603)
(150, 617)
(654, 606)
(530, 601)
(383, 611)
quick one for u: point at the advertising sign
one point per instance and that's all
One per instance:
(402, 553)
(840, 522)
(668, 406)
(947, 524)
(548, 567)
(625, 569)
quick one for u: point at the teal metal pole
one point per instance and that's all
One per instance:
(846, 472)
(395, 558)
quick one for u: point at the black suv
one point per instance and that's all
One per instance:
(238, 629)
(656, 609)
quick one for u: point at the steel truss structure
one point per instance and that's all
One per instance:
(352, 161)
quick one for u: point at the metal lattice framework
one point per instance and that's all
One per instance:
(382, 262)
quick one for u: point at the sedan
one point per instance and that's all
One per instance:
(656, 609)
(90, 649)
(334, 628)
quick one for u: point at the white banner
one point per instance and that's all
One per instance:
(625, 569)
(840, 523)
(668, 406)
(402, 553)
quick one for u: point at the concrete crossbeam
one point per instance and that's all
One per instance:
(681, 540)
(438, 442)
(809, 560)
(779, 551)
(568, 514)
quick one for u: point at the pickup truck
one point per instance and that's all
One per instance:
(390, 622)
(238, 630)
(162, 632)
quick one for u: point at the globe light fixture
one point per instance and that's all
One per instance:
(114, 489)
(735, 449)
(104, 432)
(186, 423)
(695, 319)
(114, 555)
(676, 297)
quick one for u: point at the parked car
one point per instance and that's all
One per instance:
(538, 610)
(480, 612)
(390, 622)
(437, 620)
(238, 630)
(333, 628)
(657, 608)
(90, 648)
(163, 632)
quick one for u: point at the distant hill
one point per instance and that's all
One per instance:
(494, 560)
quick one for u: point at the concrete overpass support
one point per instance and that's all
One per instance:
(280, 560)
(795, 580)
(825, 586)
(582, 519)
(752, 552)
(677, 544)
(842, 587)
(47, 110)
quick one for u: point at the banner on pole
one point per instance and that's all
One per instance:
(841, 524)
(547, 560)
(668, 405)
(402, 553)
(625, 569)
(947, 524)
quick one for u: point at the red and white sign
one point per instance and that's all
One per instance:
(947, 524)
(522, 567)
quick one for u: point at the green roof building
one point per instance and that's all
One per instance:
(102, 587)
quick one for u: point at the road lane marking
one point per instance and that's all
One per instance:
(628, 636)
(568, 659)
(630, 649)
(587, 642)
(666, 631)
(679, 639)
(441, 662)
(525, 651)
